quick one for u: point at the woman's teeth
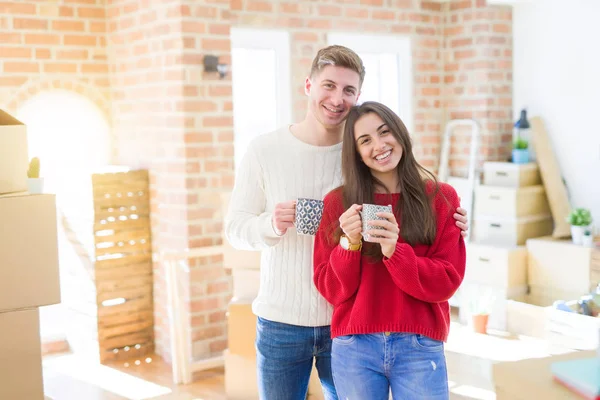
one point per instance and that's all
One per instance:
(383, 156)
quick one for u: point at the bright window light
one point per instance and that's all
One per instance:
(72, 138)
(261, 84)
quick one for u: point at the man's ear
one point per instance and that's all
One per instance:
(307, 86)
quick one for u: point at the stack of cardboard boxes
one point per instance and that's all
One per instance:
(240, 357)
(29, 275)
(558, 270)
(510, 207)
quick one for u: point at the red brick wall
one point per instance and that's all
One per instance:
(52, 45)
(141, 62)
(174, 119)
(309, 23)
(209, 157)
(478, 76)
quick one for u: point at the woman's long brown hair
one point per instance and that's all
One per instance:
(418, 222)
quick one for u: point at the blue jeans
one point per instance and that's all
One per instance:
(368, 366)
(284, 356)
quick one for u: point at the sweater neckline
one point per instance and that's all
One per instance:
(299, 143)
(387, 194)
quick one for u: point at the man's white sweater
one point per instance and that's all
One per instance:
(278, 167)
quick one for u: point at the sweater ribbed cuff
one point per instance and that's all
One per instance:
(344, 259)
(267, 232)
(403, 250)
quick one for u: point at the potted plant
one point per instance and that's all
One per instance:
(580, 220)
(520, 153)
(481, 307)
(35, 184)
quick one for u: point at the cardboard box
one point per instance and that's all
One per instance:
(501, 231)
(506, 202)
(532, 379)
(507, 174)
(526, 319)
(246, 283)
(14, 158)
(572, 330)
(29, 274)
(560, 264)
(493, 265)
(21, 356)
(241, 329)
(545, 296)
(233, 258)
(241, 380)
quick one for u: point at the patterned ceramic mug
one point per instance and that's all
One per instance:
(369, 213)
(308, 216)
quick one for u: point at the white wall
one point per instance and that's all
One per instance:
(556, 68)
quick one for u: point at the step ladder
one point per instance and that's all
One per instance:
(464, 186)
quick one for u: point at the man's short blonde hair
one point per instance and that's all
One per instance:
(339, 56)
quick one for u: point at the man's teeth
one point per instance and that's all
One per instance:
(384, 155)
(333, 111)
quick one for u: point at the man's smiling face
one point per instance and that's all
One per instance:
(332, 92)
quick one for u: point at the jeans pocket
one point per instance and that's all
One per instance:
(345, 339)
(422, 342)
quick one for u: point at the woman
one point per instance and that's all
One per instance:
(390, 294)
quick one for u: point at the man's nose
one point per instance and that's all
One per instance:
(337, 98)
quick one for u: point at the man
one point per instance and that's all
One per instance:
(298, 161)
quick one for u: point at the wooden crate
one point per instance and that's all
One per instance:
(123, 267)
(595, 267)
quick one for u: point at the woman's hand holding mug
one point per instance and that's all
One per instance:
(385, 233)
(351, 224)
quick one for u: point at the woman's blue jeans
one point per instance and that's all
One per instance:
(367, 367)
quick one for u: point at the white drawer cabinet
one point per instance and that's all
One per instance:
(511, 175)
(500, 231)
(507, 202)
(499, 266)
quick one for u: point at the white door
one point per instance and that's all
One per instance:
(261, 84)
(388, 65)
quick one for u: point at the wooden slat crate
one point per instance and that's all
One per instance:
(123, 264)
(595, 267)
